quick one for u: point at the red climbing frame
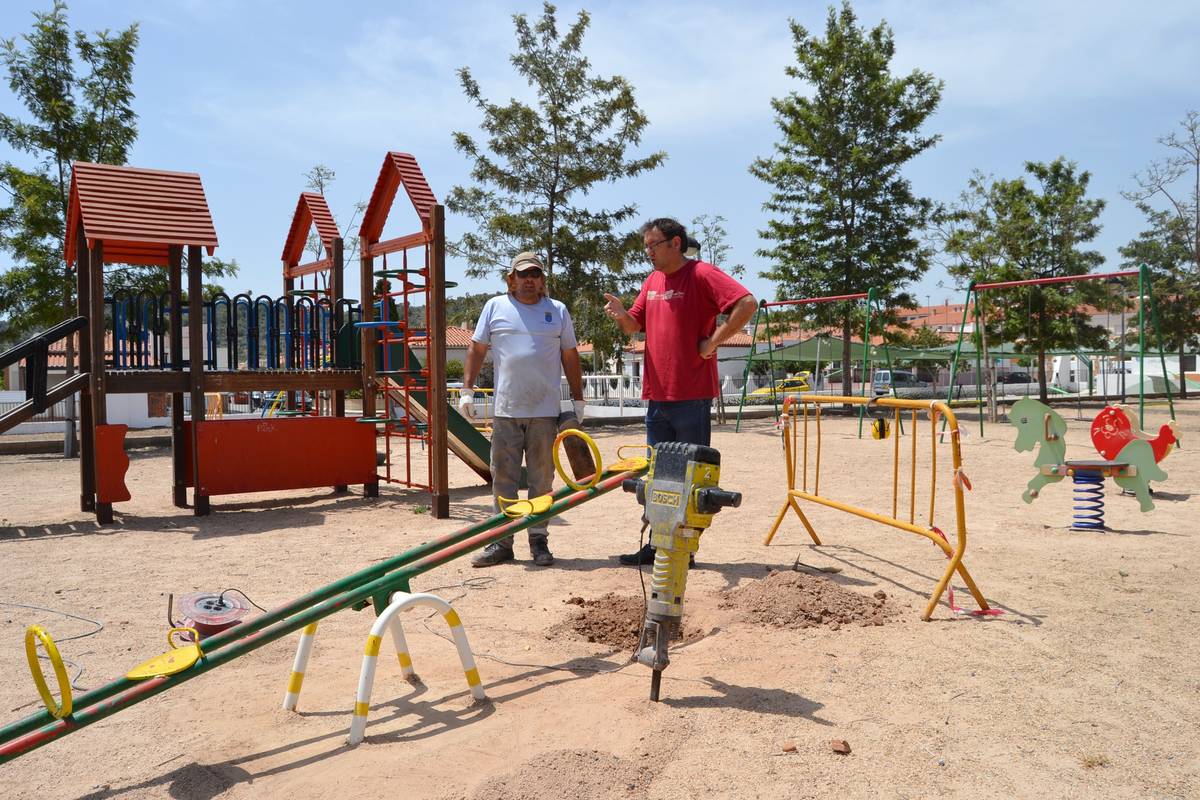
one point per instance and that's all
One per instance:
(418, 428)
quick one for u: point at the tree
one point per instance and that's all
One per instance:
(84, 117)
(1164, 247)
(1002, 230)
(1161, 178)
(539, 162)
(317, 179)
(710, 233)
(1175, 180)
(844, 218)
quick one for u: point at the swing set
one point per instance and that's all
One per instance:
(764, 314)
(1143, 276)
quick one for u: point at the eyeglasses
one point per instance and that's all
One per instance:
(533, 272)
(650, 247)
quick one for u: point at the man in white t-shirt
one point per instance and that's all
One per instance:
(532, 340)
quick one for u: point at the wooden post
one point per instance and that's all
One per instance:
(196, 371)
(104, 512)
(87, 428)
(435, 362)
(337, 288)
(367, 338)
(178, 443)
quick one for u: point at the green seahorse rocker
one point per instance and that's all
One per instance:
(1040, 426)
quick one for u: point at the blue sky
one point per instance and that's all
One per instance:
(252, 94)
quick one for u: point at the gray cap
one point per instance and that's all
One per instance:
(525, 261)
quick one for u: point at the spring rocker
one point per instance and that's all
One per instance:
(799, 412)
(1130, 458)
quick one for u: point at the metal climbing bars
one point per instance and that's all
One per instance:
(804, 414)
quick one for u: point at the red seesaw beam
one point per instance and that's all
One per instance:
(1061, 279)
(811, 300)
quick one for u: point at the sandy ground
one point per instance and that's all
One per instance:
(1087, 686)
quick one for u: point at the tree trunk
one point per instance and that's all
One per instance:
(70, 441)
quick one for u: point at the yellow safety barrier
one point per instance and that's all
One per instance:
(34, 634)
(796, 417)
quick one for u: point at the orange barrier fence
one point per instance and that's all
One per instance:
(800, 411)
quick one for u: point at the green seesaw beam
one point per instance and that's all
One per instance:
(374, 584)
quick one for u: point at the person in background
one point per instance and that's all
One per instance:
(532, 340)
(677, 308)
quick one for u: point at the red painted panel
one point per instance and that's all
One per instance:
(111, 464)
(266, 455)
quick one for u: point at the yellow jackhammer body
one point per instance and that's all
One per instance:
(680, 495)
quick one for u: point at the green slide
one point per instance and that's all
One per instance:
(468, 444)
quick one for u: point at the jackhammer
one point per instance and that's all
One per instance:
(680, 496)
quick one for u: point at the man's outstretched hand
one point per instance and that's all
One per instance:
(614, 308)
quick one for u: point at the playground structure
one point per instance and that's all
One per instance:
(312, 345)
(797, 414)
(764, 312)
(1132, 467)
(376, 586)
(1144, 294)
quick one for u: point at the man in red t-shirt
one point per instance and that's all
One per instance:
(678, 308)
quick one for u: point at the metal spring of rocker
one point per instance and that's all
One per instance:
(1089, 501)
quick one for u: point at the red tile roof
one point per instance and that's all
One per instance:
(399, 169)
(137, 213)
(311, 210)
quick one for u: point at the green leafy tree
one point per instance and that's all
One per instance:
(1173, 181)
(538, 164)
(464, 311)
(1165, 248)
(84, 116)
(710, 233)
(844, 218)
(1002, 230)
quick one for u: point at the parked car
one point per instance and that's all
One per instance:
(794, 385)
(905, 384)
(1015, 377)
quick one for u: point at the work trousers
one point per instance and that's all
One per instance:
(533, 439)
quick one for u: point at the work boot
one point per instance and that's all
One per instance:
(540, 550)
(646, 556)
(495, 553)
(640, 558)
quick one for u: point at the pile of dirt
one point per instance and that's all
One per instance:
(612, 619)
(799, 600)
(569, 774)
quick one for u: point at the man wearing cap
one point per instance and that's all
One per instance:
(532, 340)
(678, 308)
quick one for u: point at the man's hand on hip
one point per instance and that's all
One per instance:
(708, 347)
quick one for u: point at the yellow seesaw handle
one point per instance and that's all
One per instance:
(591, 443)
(33, 634)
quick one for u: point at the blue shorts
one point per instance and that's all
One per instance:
(679, 421)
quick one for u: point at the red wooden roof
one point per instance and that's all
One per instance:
(399, 169)
(137, 213)
(311, 209)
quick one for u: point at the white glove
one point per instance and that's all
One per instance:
(466, 403)
(579, 406)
